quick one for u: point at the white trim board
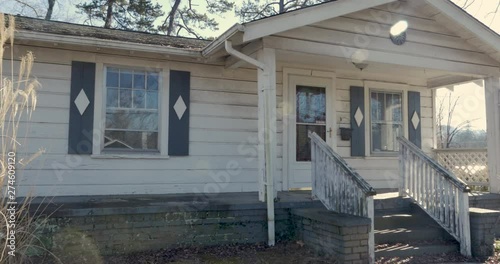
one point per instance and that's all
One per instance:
(287, 73)
(462, 18)
(306, 16)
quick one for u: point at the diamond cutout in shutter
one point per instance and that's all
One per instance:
(358, 117)
(415, 120)
(180, 107)
(82, 102)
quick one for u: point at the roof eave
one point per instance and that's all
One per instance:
(104, 43)
(455, 13)
(218, 43)
(306, 16)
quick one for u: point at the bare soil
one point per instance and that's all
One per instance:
(290, 253)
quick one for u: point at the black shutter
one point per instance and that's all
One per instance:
(358, 121)
(178, 125)
(414, 119)
(81, 110)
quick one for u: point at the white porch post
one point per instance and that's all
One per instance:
(492, 91)
(267, 133)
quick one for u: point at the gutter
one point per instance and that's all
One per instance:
(269, 182)
(243, 57)
(218, 42)
(104, 43)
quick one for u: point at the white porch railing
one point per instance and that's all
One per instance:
(470, 165)
(437, 191)
(339, 187)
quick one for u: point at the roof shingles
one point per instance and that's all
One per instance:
(63, 28)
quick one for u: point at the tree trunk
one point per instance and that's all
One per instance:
(48, 15)
(109, 14)
(282, 6)
(171, 17)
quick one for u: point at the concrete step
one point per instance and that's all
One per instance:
(391, 219)
(408, 235)
(388, 201)
(409, 249)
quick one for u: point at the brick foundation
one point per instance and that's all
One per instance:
(484, 224)
(97, 226)
(340, 236)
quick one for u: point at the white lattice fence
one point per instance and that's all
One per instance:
(470, 165)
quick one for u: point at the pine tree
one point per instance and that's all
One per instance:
(139, 15)
(185, 18)
(255, 9)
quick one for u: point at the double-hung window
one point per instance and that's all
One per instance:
(131, 110)
(386, 121)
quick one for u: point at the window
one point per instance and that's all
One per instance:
(386, 121)
(131, 110)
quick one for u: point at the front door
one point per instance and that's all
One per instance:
(311, 109)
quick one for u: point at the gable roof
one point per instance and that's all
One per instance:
(306, 16)
(70, 29)
(467, 27)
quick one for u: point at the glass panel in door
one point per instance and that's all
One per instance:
(311, 116)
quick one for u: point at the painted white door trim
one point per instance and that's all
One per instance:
(289, 112)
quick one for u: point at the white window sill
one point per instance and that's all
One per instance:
(130, 156)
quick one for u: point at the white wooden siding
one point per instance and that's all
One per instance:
(429, 44)
(380, 172)
(224, 112)
(223, 130)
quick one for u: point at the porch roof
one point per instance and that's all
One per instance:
(444, 12)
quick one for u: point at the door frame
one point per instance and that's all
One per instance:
(289, 113)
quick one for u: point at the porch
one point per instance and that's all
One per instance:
(324, 79)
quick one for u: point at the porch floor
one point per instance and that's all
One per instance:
(137, 204)
(140, 204)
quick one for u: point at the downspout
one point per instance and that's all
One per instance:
(267, 145)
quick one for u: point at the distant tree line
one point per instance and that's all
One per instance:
(460, 135)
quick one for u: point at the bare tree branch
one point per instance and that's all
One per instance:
(25, 4)
(171, 17)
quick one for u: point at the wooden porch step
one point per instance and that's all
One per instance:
(407, 250)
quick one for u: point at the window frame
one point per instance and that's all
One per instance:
(370, 86)
(100, 113)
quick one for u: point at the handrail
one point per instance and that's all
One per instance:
(362, 184)
(443, 171)
(438, 192)
(340, 188)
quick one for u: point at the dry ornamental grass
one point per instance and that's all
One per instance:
(18, 98)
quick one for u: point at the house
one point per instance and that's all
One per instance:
(125, 113)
